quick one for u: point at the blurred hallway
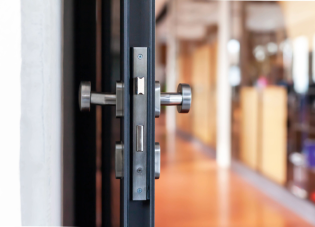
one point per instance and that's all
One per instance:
(193, 192)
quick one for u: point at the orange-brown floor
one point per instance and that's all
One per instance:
(193, 192)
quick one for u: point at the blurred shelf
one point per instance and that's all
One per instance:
(303, 127)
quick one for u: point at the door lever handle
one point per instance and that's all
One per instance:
(181, 98)
(87, 97)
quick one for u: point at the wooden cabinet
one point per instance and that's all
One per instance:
(274, 134)
(249, 130)
(184, 65)
(204, 93)
(263, 137)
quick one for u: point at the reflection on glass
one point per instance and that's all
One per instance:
(300, 64)
(259, 53)
(234, 76)
(272, 48)
(233, 47)
(287, 57)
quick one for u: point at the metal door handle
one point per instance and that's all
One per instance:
(181, 99)
(86, 98)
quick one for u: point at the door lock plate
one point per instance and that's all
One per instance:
(139, 127)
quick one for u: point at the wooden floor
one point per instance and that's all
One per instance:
(193, 192)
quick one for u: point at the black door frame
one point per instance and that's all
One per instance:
(84, 52)
(79, 183)
(137, 30)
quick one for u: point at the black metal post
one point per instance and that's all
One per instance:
(85, 122)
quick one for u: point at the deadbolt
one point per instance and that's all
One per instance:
(86, 98)
(181, 99)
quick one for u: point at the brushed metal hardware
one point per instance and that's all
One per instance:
(139, 137)
(157, 99)
(181, 99)
(119, 160)
(157, 152)
(171, 99)
(139, 111)
(119, 99)
(185, 91)
(103, 99)
(86, 98)
(139, 73)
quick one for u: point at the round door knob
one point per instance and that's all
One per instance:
(185, 91)
(181, 99)
(85, 96)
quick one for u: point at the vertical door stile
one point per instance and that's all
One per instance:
(138, 100)
(138, 18)
(125, 121)
(108, 118)
(85, 124)
(151, 113)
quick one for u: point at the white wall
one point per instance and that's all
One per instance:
(41, 74)
(10, 112)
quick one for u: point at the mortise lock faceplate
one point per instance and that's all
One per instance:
(139, 148)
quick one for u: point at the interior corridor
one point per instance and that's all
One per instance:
(193, 192)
